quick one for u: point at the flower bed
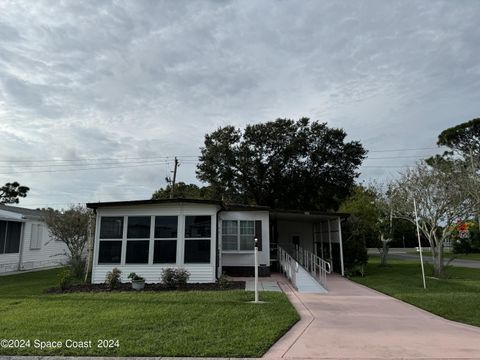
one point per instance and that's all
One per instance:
(232, 285)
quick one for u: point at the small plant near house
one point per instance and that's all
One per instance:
(113, 278)
(138, 282)
(223, 281)
(65, 279)
(175, 277)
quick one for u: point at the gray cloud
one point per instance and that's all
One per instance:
(122, 79)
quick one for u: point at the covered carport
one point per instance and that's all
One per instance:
(319, 233)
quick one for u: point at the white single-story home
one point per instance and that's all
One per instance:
(25, 243)
(208, 238)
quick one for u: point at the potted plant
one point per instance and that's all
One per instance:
(138, 282)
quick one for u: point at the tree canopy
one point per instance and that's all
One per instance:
(283, 164)
(463, 138)
(185, 191)
(11, 192)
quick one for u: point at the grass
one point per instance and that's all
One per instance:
(456, 298)
(448, 255)
(206, 324)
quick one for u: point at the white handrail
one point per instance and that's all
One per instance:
(314, 264)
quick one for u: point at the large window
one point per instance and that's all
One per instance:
(239, 235)
(165, 247)
(138, 227)
(137, 252)
(198, 230)
(111, 227)
(10, 233)
(198, 226)
(111, 234)
(110, 252)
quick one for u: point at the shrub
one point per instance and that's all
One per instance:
(175, 277)
(65, 279)
(223, 281)
(112, 278)
(77, 266)
(134, 277)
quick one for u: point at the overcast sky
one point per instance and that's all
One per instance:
(131, 83)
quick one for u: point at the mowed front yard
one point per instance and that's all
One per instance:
(456, 298)
(194, 323)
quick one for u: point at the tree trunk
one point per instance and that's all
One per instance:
(384, 254)
(438, 268)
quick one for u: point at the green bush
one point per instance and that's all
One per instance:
(175, 277)
(112, 278)
(223, 281)
(65, 279)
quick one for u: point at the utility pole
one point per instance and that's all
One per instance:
(174, 177)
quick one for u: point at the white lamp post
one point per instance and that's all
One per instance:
(255, 253)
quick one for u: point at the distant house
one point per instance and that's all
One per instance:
(207, 238)
(25, 243)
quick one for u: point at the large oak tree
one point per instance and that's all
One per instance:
(283, 164)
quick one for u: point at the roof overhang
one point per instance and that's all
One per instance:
(98, 205)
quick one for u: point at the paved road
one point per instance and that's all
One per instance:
(457, 262)
(355, 322)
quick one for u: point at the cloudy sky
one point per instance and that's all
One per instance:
(122, 86)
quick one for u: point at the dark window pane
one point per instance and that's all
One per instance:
(110, 252)
(111, 227)
(137, 252)
(14, 230)
(3, 232)
(165, 252)
(138, 227)
(166, 226)
(197, 251)
(198, 226)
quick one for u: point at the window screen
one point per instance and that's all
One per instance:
(111, 227)
(198, 226)
(165, 252)
(197, 251)
(138, 227)
(137, 252)
(110, 252)
(166, 227)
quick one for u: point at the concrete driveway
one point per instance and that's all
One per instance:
(355, 322)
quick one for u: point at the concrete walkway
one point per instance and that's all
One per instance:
(355, 322)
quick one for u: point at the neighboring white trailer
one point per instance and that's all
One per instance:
(25, 242)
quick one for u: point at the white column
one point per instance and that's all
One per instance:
(340, 241)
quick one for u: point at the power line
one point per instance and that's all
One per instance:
(97, 159)
(393, 150)
(78, 169)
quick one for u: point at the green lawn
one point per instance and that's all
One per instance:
(455, 298)
(207, 324)
(449, 255)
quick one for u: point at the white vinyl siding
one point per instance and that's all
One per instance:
(36, 237)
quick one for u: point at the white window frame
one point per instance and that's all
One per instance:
(238, 249)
